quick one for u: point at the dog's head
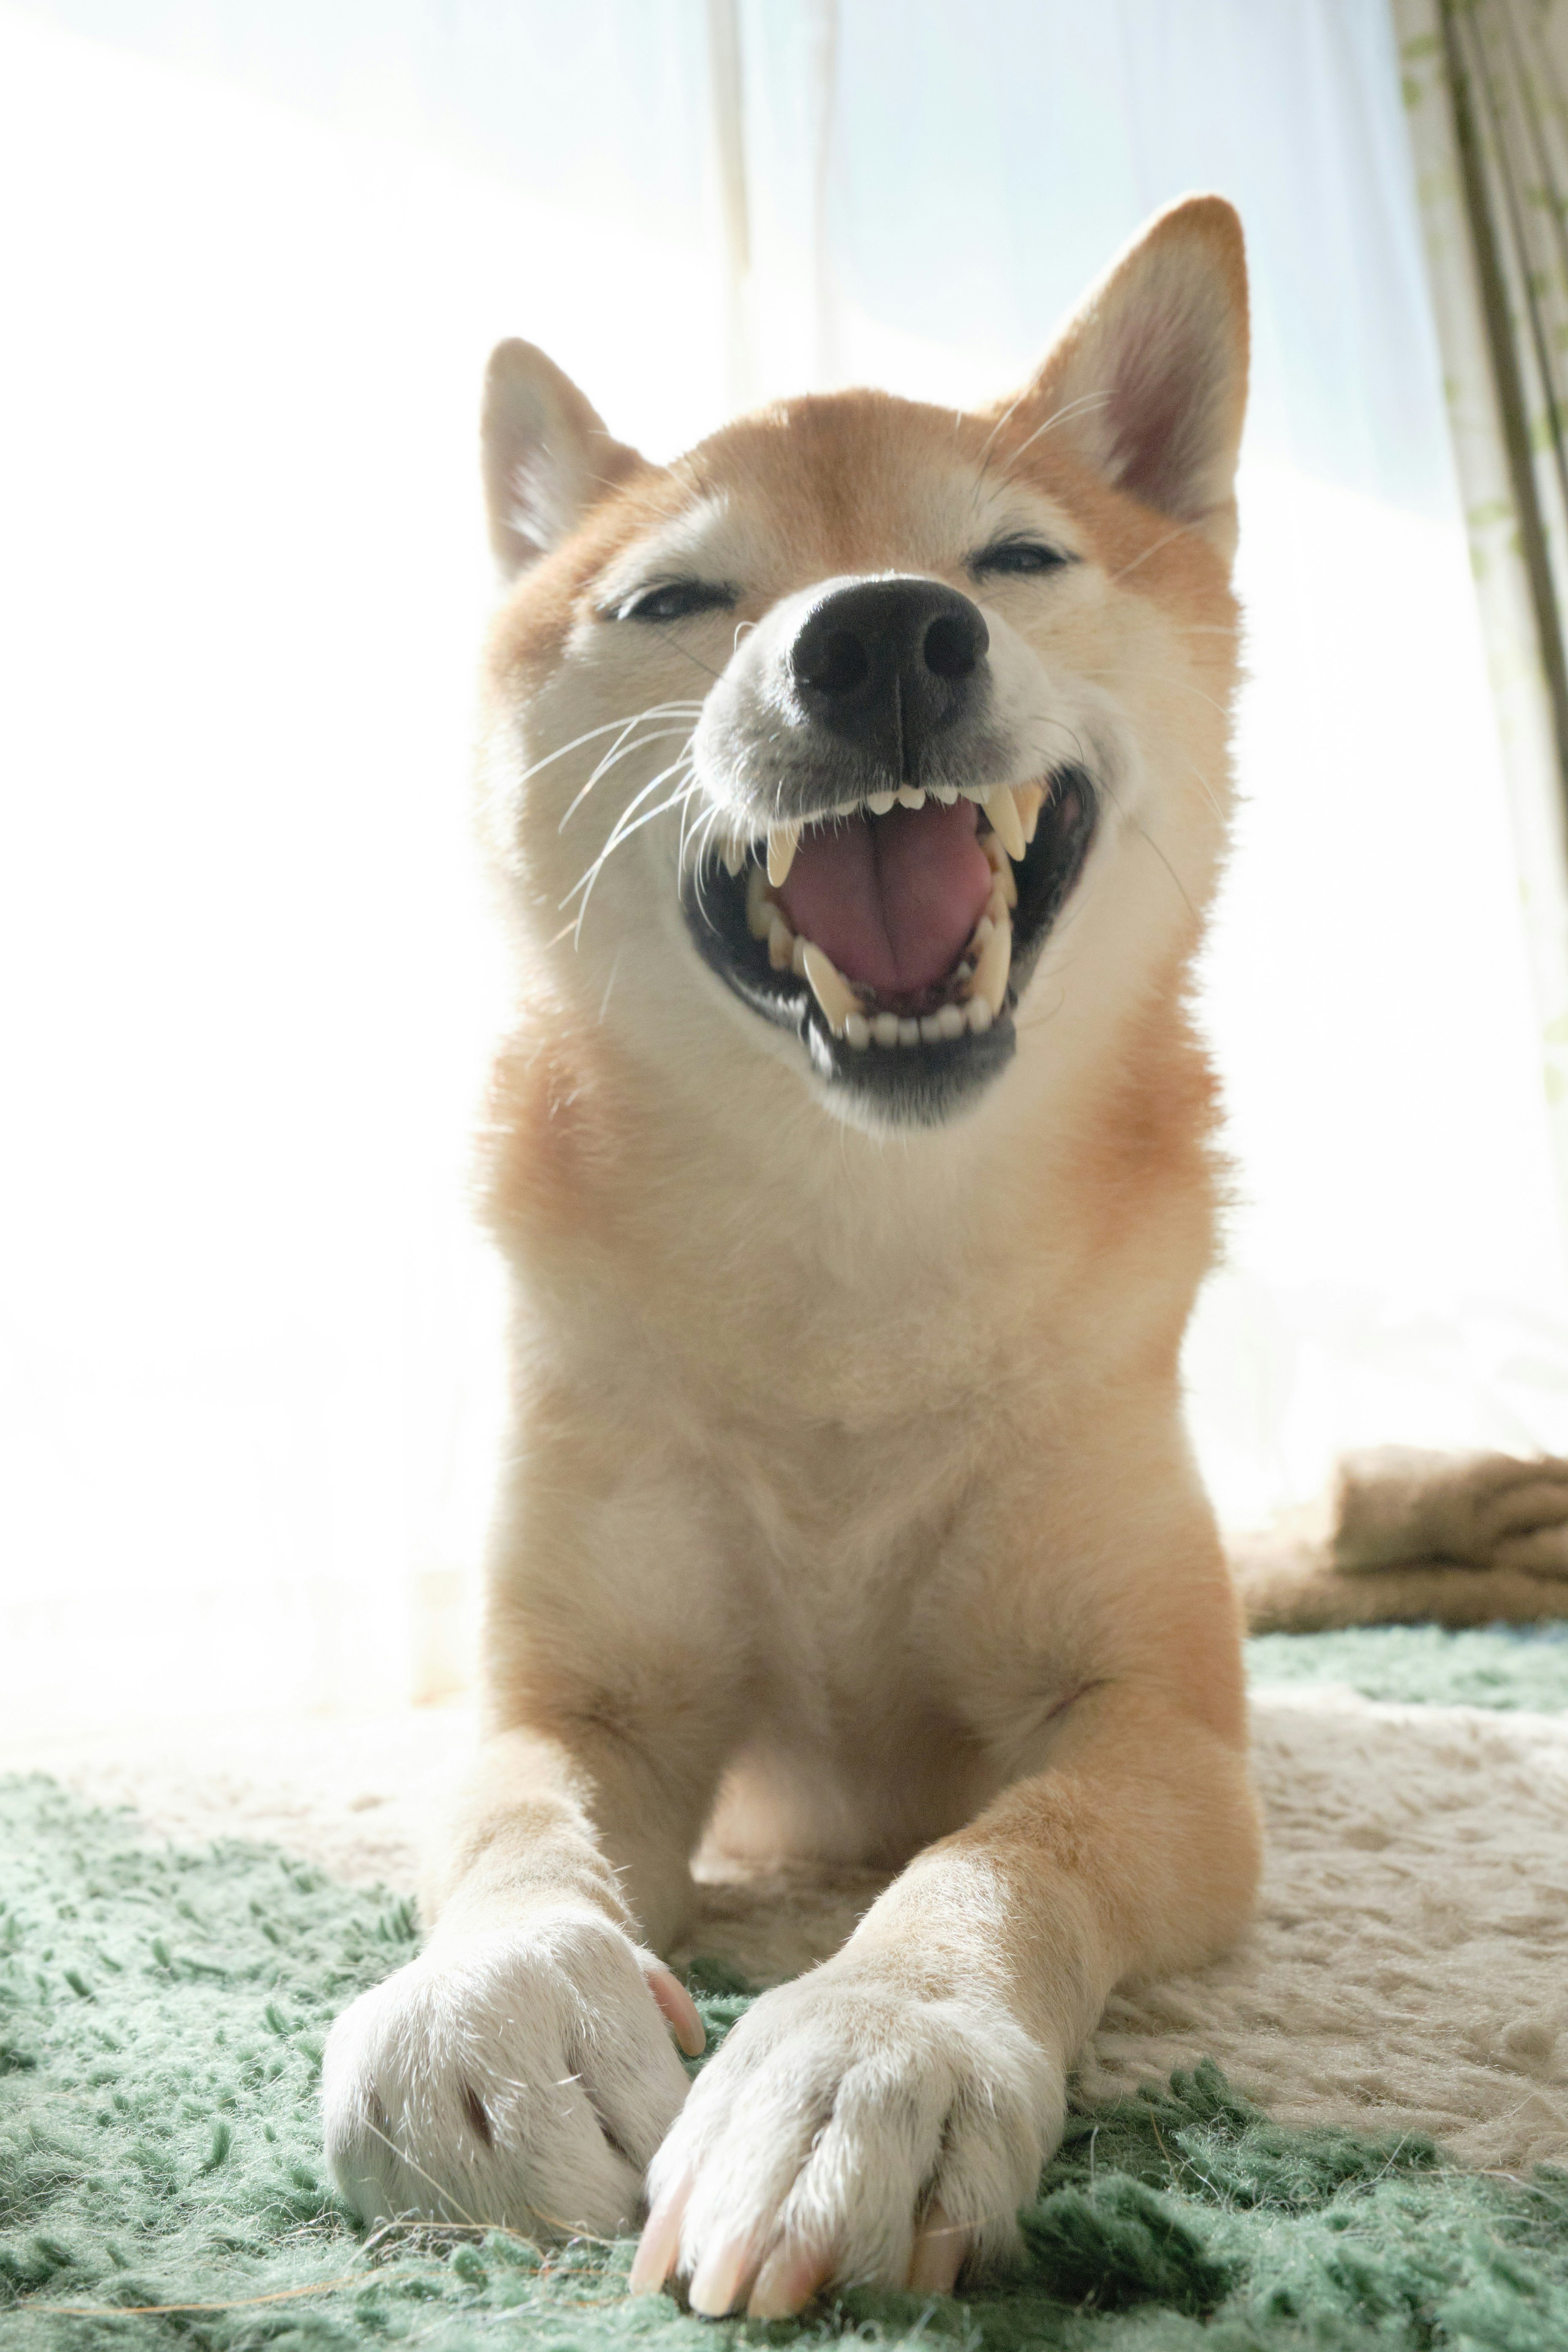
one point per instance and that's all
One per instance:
(868, 739)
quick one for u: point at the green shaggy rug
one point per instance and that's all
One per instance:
(162, 2016)
(1497, 1665)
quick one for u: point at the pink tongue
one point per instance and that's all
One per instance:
(893, 901)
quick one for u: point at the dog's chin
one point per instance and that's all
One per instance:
(906, 1056)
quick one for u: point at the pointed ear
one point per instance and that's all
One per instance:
(548, 456)
(1149, 382)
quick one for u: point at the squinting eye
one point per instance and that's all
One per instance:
(1018, 556)
(676, 600)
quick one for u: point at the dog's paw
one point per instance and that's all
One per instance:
(850, 2132)
(524, 2077)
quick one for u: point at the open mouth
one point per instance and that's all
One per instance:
(895, 935)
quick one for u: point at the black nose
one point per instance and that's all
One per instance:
(889, 665)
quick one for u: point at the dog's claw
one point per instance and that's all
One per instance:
(679, 2009)
(660, 2240)
(938, 2255)
(787, 2280)
(720, 2275)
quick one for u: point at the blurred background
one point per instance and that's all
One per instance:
(255, 259)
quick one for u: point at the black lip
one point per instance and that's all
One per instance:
(909, 1084)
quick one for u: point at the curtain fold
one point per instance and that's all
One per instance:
(1485, 91)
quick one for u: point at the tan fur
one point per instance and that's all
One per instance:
(849, 1508)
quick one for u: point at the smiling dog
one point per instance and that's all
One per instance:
(852, 1154)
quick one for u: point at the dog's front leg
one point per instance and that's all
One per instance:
(883, 2118)
(520, 2071)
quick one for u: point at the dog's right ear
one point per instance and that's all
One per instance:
(548, 455)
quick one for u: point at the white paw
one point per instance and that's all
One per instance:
(523, 2077)
(849, 2131)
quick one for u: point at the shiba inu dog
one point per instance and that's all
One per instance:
(854, 1154)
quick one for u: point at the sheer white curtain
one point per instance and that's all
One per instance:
(926, 202)
(249, 1344)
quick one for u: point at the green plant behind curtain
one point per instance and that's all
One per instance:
(1486, 89)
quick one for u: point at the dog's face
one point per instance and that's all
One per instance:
(869, 738)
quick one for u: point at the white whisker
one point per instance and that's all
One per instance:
(1180, 532)
(656, 711)
(1068, 408)
(613, 757)
(663, 809)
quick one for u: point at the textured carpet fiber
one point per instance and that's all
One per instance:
(162, 2012)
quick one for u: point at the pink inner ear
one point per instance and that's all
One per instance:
(1166, 412)
(1150, 380)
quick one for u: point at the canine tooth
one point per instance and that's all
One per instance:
(910, 796)
(759, 905)
(797, 959)
(1002, 868)
(880, 803)
(982, 930)
(1005, 823)
(991, 967)
(945, 793)
(830, 988)
(908, 1033)
(950, 1022)
(781, 945)
(734, 857)
(783, 840)
(1031, 800)
(980, 1015)
(885, 1028)
(858, 1030)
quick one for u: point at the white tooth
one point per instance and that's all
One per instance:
(830, 988)
(858, 1030)
(995, 854)
(930, 1027)
(909, 797)
(734, 857)
(880, 803)
(760, 909)
(797, 959)
(885, 1028)
(964, 970)
(1005, 823)
(993, 965)
(1030, 799)
(982, 930)
(945, 793)
(908, 1033)
(783, 840)
(781, 945)
(980, 1015)
(1005, 889)
(950, 1022)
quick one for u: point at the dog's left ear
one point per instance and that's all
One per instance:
(548, 455)
(1149, 382)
